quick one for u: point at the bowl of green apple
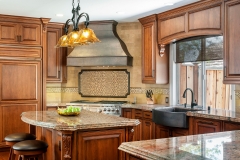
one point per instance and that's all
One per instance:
(69, 111)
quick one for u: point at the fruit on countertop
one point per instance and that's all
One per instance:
(70, 110)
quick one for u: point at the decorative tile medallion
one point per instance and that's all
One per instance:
(104, 83)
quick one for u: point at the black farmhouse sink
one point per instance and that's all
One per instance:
(172, 116)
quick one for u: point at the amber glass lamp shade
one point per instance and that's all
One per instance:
(62, 42)
(87, 36)
(78, 38)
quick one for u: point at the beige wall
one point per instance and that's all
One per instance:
(130, 33)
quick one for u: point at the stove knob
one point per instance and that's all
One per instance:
(117, 110)
(108, 109)
(104, 109)
(113, 109)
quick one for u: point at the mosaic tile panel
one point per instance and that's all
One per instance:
(104, 83)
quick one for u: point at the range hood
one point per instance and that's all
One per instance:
(111, 51)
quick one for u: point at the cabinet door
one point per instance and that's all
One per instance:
(147, 129)
(8, 32)
(227, 126)
(20, 82)
(10, 119)
(202, 126)
(53, 55)
(161, 131)
(30, 34)
(126, 112)
(149, 53)
(176, 132)
(138, 131)
(231, 42)
(100, 144)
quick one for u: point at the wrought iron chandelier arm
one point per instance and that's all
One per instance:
(83, 15)
(67, 26)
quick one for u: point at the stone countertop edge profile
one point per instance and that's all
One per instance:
(221, 146)
(86, 120)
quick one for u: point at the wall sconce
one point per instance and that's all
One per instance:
(162, 50)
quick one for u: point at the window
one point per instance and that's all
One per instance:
(204, 78)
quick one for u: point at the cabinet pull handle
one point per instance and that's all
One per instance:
(225, 70)
(203, 122)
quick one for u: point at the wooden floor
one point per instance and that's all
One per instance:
(4, 155)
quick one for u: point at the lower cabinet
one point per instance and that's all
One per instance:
(147, 129)
(166, 132)
(202, 126)
(229, 126)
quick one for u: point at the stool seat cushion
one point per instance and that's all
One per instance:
(30, 145)
(17, 137)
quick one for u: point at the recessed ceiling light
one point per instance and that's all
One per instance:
(120, 12)
(59, 15)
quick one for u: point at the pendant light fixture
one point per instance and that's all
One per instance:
(77, 37)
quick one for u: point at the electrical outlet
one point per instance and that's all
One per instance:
(166, 99)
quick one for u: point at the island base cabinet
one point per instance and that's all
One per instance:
(202, 126)
(85, 145)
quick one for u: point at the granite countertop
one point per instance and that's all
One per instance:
(148, 107)
(86, 120)
(219, 146)
(219, 114)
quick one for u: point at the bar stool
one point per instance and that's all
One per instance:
(14, 138)
(30, 149)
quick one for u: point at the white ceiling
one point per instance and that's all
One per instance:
(97, 9)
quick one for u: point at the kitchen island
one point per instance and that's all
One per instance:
(218, 146)
(212, 134)
(89, 135)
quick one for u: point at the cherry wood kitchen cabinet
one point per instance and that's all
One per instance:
(161, 131)
(152, 63)
(56, 57)
(230, 126)
(203, 125)
(147, 126)
(20, 33)
(200, 18)
(22, 77)
(20, 85)
(231, 45)
(109, 140)
(145, 130)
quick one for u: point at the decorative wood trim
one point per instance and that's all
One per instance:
(44, 23)
(148, 19)
(189, 8)
(66, 145)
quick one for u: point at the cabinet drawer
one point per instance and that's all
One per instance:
(147, 114)
(138, 113)
(203, 126)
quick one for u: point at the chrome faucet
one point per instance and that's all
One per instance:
(184, 96)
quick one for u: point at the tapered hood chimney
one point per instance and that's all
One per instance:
(111, 51)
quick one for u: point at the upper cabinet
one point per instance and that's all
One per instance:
(154, 67)
(20, 33)
(56, 57)
(231, 42)
(200, 18)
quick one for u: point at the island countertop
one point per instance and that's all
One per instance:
(219, 146)
(86, 120)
